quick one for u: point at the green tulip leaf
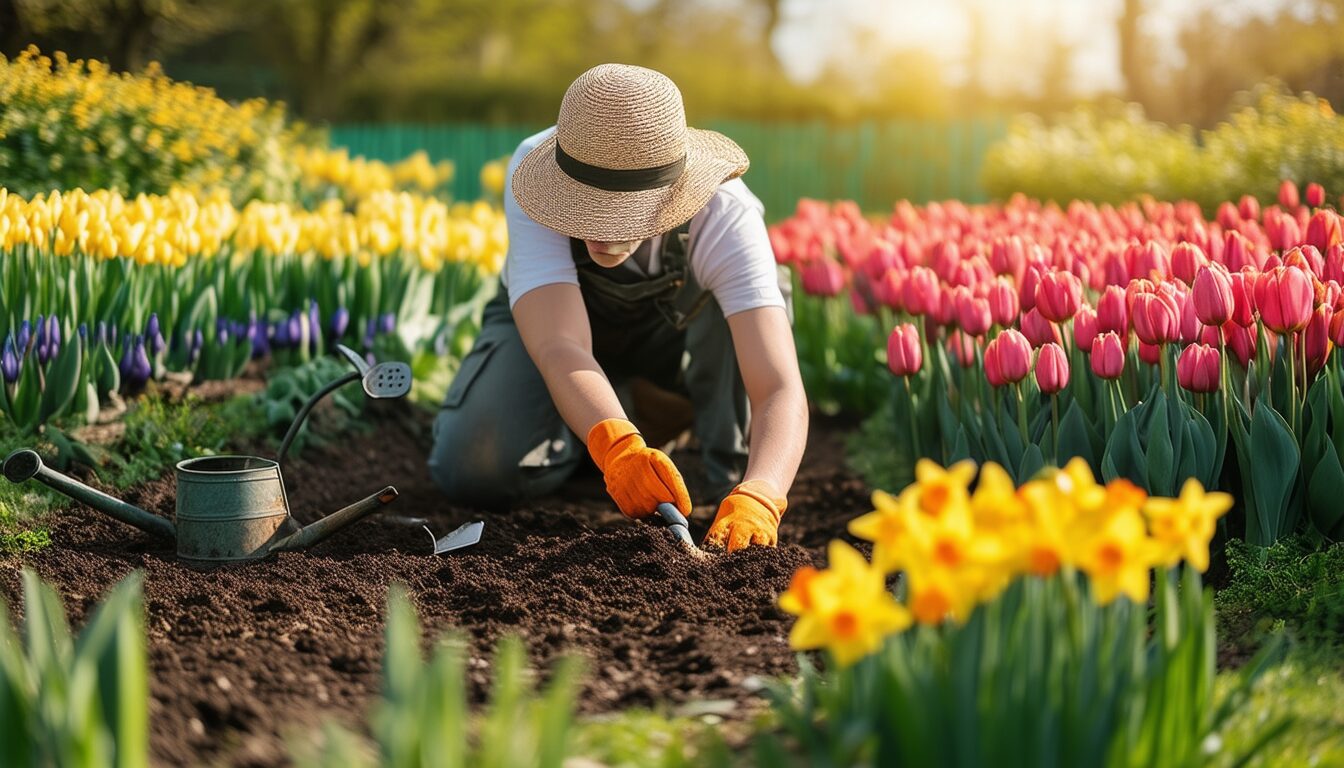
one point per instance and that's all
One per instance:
(1274, 470)
(1325, 493)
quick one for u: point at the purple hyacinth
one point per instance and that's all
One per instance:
(84, 332)
(53, 336)
(314, 326)
(25, 335)
(124, 365)
(281, 335)
(256, 333)
(40, 344)
(139, 370)
(369, 331)
(340, 321)
(9, 361)
(197, 341)
(154, 334)
(294, 327)
(387, 323)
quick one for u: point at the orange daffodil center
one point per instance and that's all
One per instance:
(959, 547)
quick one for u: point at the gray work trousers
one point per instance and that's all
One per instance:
(499, 439)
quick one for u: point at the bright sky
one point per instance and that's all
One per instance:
(814, 27)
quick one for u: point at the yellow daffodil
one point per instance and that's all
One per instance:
(1119, 558)
(884, 527)
(996, 505)
(936, 489)
(1183, 527)
(845, 609)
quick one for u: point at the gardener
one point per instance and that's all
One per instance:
(636, 258)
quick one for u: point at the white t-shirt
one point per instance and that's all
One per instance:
(729, 250)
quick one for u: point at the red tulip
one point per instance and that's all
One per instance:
(1038, 330)
(1315, 195)
(1052, 369)
(905, 356)
(1108, 355)
(1156, 317)
(1285, 297)
(1198, 368)
(1058, 295)
(1186, 260)
(1212, 294)
(822, 277)
(1323, 230)
(1288, 195)
(1007, 358)
(1113, 311)
(1003, 304)
(1084, 327)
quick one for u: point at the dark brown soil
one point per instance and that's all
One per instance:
(241, 656)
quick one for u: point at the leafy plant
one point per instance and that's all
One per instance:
(423, 718)
(1290, 582)
(75, 701)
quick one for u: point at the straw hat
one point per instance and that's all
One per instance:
(622, 164)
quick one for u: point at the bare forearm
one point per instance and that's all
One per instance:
(581, 391)
(778, 436)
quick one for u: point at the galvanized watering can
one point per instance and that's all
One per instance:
(234, 508)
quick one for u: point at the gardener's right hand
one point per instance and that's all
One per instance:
(639, 478)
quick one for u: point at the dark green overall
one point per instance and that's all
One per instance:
(499, 438)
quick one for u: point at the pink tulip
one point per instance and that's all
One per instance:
(1026, 289)
(1150, 353)
(1108, 355)
(1243, 296)
(921, 291)
(1007, 358)
(1038, 330)
(1058, 295)
(1186, 261)
(1284, 297)
(905, 356)
(1288, 198)
(1249, 208)
(1003, 304)
(822, 277)
(1198, 368)
(1315, 195)
(1313, 343)
(1323, 230)
(1156, 317)
(973, 314)
(1212, 294)
(1113, 311)
(963, 349)
(1052, 369)
(1085, 327)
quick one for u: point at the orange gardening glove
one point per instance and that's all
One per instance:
(639, 478)
(749, 515)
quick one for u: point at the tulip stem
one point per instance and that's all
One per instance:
(1292, 386)
(1022, 414)
(1054, 425)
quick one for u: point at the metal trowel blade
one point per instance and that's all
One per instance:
(464, 536)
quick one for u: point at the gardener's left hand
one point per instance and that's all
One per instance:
(748, 516)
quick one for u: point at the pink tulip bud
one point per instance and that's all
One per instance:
(1186, 259)
(1284, 297)
(822, 277)
(1007, 358)
(921, 291)
(1156, 317)
(905, 356)
(1323, 230)
(1212, 294)
(1243, 293)
(973, 314)
(1085, 327)
(1228, 216)
(1288, 198)
(1237, 252)
(1026, 289)
(1249, 208)
(1052, 369)
(1190, 325)
(1113, 311)
(1108, 355)
(1038, 330)
(1058, 295)
(1003, 304)
(1198, 368)
(1315, 195)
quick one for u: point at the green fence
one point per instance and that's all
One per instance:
(874, 163)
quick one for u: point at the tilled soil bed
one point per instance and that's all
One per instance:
(242, 656)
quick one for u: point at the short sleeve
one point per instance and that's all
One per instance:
(731, 255)
(537, 255)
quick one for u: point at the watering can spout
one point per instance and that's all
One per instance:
(25, 464)
(314, 532)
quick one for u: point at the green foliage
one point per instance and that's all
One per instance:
(75, 701)
(70, 124)
(423, 718)
(1307, 688)
(835, 354)
(1114, 154)
(1291, 582)
(1039, 676)
(289, 388)
(160, 433)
